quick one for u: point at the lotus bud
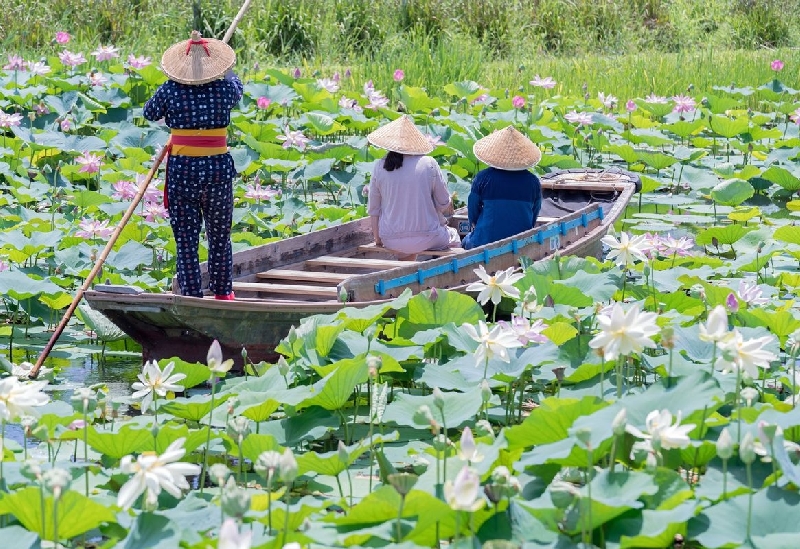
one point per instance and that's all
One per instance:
(55, 480)
(238, 428)
(283, 366)
(731, 303)
(267, 464)
(620, 423)
(347, 73)
(343, 455)
(370, 331)
(235, 500)
(468, 447)
(486, 391)
(343, 295)
(562, 494)
(438, 398)
(231, 404)
(296, 73)
(288, 466)
(725, 444)
(747, 449)
(292, 335)
(244, 355)
(433, 295)
(402, 482)
(84, 400)
(559, 373)
(646, 271)
(215, 362)
(761, 246)
(494, 492)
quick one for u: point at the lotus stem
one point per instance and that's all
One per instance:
(398, 523)
(208, 436)
(286, 520)
(749, 498)
(86, 449)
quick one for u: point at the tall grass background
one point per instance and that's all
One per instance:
(626, 47)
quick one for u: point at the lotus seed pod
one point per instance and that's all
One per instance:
(55, 480)
(84, 400)
(438, 398)
(219, 473)
(235, 500)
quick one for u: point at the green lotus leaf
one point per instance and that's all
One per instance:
(728, 234)
(732, 192)
(782, 177)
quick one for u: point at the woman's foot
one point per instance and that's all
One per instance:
(228, 297)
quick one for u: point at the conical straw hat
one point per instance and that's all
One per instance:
(401, 136)
(507, 149)
(197, 60)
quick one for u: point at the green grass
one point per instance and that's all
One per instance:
(629, 48)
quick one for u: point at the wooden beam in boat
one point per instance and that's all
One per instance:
(303, 276)
(358, 263)
(301, 289)
(572, 185)
(436, 253)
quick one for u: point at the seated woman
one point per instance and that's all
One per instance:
(506, 197)
(408, 197)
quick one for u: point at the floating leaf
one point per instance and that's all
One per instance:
(732, 192)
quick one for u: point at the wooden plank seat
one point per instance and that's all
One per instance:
(355, 262)
(323, 277)
(545, 220)
(436, 253)
(330, 292)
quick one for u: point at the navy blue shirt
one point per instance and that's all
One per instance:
(502, 203)
(188, 107)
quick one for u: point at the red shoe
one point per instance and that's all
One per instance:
(229, 297)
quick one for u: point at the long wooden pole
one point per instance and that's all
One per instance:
(115, 235)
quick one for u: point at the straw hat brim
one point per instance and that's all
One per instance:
(401, 136)
(507, 149)
(198, 66)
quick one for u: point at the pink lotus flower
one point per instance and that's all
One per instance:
(684, 103)
(653, 98)
(518, 102)
(547, 82)
(105, 53)
(434, 140)
(365, 190)
(65, 125)
(608, 101)
(96, 79)
(347, 103)
(263, 102)
(368, 87)
(399, 75)
(480, 99)
(90, 228)
(525, 331)
(731, 303)
(328, 84)
(3, 266)
(153, 211)
(336, 77)
(70, 59)
(90, 163)
(776, 65)
(124, 190)
(259, 193)
(670, 246)
(62, 37)
(15, 63)
(294, 139)
(580, 118)
(38, 67)
(139, 62)
(376, 100)
(41, 109)
(630, 105)
(795, 117)
(9, 120)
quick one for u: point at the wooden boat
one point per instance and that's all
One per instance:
(279, 283)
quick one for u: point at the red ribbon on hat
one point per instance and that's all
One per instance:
(202, 42)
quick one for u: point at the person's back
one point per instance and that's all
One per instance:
(502, 203)
(506, 197)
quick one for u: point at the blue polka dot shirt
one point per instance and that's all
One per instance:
(195, 107)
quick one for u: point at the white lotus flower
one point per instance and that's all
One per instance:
(626, 251)
(23, 370)
(19, 398)
(624, 333)
(661, 432)
(493, 288)
(154, 380)
(463, 493)
(749, 356)
(494, 342)
(716, 327)
(231, 538)
(750, 293)
(153, 473)
(214, 359)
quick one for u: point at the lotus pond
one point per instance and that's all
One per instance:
(647, 400)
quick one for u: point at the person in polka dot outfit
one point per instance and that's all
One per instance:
(196, 103)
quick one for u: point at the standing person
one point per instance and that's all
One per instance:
(196, 103)
(408, 197)
(506, 197)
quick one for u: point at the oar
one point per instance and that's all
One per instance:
(115, 235)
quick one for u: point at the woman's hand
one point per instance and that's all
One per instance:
(448, 210)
